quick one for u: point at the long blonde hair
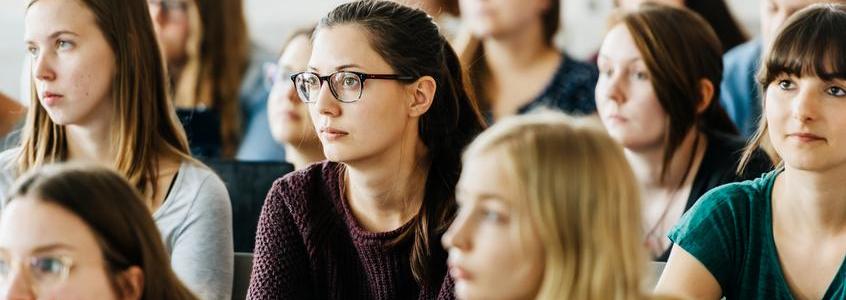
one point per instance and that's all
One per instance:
(145, 125)
(580, 198)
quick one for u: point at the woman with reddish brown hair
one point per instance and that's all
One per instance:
(659, 101)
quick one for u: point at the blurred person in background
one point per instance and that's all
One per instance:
(290, 122)
(513, 63)
(216, 78)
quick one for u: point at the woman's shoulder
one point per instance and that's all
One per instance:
(315, 174)
(198, 188)
(736, 198)
(301, 188)
(8, 171)
(8, 159)
(571, 89)
(576, 71)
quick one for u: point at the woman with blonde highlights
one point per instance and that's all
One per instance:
(100, 97)
(548, 210)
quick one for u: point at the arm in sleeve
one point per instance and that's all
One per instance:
(280, 262)
(203, 255)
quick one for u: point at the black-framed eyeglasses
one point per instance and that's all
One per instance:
(346, 86)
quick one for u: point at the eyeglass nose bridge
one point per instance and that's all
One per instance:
(326, 79)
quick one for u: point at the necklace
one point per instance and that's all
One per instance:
(653, 238)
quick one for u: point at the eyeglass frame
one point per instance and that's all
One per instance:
(67, 264)
(361, 77)
(169, 5)
(273, 74)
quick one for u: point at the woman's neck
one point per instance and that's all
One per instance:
(304, 154)
(386, 192)
(522, 57)
(814, 202)
(91, 142)
(648, 163)
(519, 50)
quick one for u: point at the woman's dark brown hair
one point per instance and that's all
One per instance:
(451, 7)
(116, 215)
(718, 15)
(811, 43)
(680, 50)
(409, 41)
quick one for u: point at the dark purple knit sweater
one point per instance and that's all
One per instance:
(309, 246)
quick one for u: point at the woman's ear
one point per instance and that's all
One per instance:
(706, 91)
(422, 95)
(130, 283)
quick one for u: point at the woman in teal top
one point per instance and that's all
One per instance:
(781, 236)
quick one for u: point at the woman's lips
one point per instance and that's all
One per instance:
(457, 272)
(617, 118)
(806, 137)
(332, 134)
(51, 99)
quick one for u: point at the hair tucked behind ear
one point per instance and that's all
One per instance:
(410, 42)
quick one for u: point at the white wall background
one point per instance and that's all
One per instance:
(270, 21)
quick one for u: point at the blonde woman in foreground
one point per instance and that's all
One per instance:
(548, 210)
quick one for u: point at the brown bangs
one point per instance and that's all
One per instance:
(813, 43)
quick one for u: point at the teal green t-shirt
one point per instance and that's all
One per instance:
(729, 230)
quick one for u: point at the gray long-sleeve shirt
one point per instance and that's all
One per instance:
(195, 222)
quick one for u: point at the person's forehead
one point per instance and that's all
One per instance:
(46, 17)
(344, 45)
(28, 225)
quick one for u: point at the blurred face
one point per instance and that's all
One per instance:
(173, 27)
(494, 251)
(496, 18)
(374, 124)
(633, 4)
(775, 12)
(805, 119)
(625, 98)
(72, 64)
(290, 122)
(47, 252)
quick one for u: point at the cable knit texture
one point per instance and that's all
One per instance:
(309, 246)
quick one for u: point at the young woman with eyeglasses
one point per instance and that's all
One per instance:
(386, 95)
(290, 122)
(100, 97)
(82, 232)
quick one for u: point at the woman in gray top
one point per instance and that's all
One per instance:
(100, 96)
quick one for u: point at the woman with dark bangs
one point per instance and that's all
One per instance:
(781, 236)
